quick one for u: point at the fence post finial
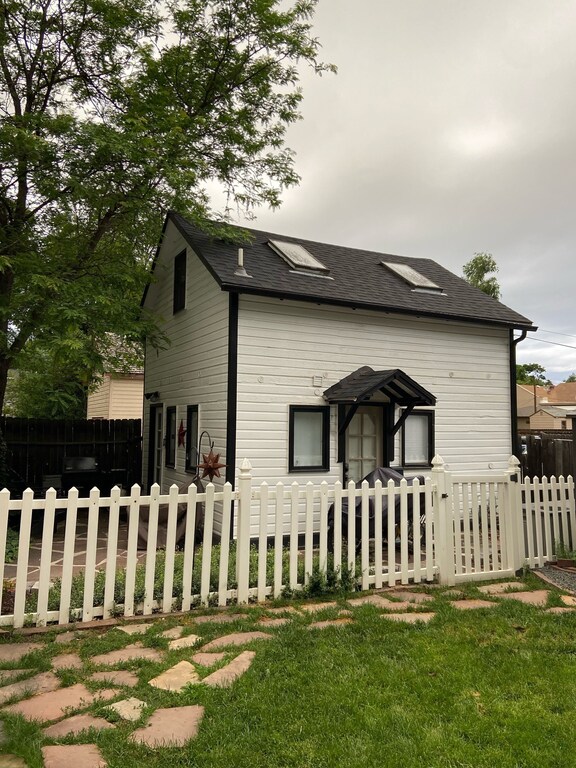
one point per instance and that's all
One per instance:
(443, 522)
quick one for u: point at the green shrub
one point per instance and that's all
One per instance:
(12, 537)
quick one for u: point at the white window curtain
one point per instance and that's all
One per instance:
(416, 439)
(308, 439)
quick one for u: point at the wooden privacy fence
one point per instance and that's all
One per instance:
(450, 527)
(37, 447)
(547, 454)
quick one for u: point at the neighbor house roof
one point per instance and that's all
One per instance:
(352, 278)
(563, 393)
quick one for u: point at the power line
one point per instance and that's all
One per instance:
(555, 343)
(558, 333)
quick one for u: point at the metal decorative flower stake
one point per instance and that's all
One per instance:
(211, 465)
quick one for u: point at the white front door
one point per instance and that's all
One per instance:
(364, 442)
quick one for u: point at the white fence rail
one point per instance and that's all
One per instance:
(450, 527)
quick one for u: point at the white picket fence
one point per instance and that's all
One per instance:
(450, 527)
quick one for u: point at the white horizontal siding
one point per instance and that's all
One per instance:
(283, 345)
(192, 370)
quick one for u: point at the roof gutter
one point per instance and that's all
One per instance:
(514, 442)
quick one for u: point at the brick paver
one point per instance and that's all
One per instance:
(236, 638)
(76, 724)
(173, 727)
(224, 677)
(73, 756)
(177, 677)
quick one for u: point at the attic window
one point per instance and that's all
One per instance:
(417, 281)
(298, 257)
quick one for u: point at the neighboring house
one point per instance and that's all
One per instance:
(319, 362)
(552, 417)
(562, 394)
(119, 396)
(530, 395)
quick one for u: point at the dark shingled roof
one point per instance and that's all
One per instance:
(396, 385)
(358, 278)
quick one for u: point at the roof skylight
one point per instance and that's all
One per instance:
(298, 257)
(417, 281)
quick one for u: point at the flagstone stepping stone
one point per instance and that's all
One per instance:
(560, 609)
(129, 653)
(12, 761)
(282, 609)
(116, 677)
(503, 586)
(176, 678)
(16, 651)
(568, 599)
(65, 637)
(134, 629)
(224, 677)
(67, 661)
(11, 674)
(266, 621)
(313, 607)
(208, 659)
(53, 705)
(236, 638)
(41, 683)
(224, 618)
(409, 618)
(73, 756)
(330, 623)
(172, 634)
(128, 709)
(537, 597)
(411, 597)
(183, 642)
(377, 600)
(469, 605)
(76, 724)
(172, 727)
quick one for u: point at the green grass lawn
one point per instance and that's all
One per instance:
(490, 688)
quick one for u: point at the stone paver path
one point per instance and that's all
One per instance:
(50, 701)
(167, 727)
(73, 756)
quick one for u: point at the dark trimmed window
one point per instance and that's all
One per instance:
(418, 439)
(179, 301)
(309, 438)
(170, 452)
(192, 438)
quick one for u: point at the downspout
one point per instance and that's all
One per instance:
(232, 396)
(513, 397)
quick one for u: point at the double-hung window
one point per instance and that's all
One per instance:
(418, 439)
(179, 299)
(309, 438)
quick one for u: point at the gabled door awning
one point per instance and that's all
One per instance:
(396, 386)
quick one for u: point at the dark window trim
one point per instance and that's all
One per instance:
(325, 411)
(170, 439)
(191, 464)
(179, 294)
(431, 439)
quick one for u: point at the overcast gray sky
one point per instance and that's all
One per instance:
(450, 129)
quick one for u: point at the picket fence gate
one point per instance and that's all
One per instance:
(450, 527)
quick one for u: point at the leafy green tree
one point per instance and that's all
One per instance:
(111, 113)
(570, 379)
(479, 273)
(532, 373)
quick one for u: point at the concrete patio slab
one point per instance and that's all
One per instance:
(173, 727)
(73, 756)
(76, 724)
(224, 677)
(45, 682)
(176, 678)
(236, 638)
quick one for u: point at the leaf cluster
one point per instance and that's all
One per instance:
(478, 272)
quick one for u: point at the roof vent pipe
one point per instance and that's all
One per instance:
(240, 270)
